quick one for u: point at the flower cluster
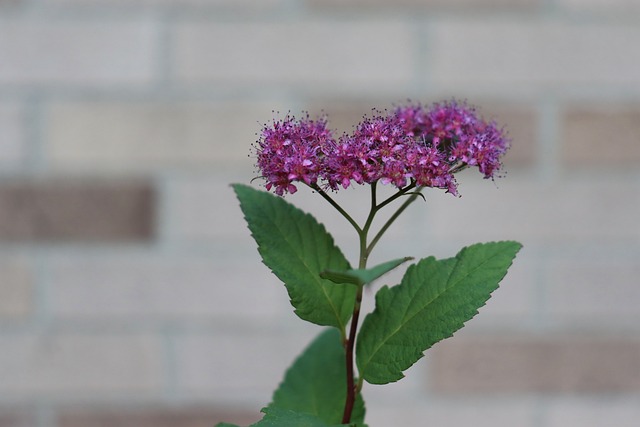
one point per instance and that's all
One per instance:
(411, 145)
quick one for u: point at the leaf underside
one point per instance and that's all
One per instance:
(434, 299)
(296, 248)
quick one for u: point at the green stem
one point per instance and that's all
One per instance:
(400, 193)
(365, 250)
(393, 217)
(352, 390)
(350, 345)
(337, 207)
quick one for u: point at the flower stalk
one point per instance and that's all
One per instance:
(410, 148)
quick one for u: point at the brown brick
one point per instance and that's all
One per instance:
(601, 136)
(426, 5)
(562, 365)
(10, 417)
(344, 114)
(155, 417)
(71, 210)
(7, 4)
(15, 290)
(520, 121)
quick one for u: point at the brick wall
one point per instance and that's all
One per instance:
(130, 291)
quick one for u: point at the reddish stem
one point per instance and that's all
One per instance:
(349, 346)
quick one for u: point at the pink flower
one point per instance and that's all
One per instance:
(290, 150)
(413, 144)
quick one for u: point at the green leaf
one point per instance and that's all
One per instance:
(362, 276)
(316, 382)
(434, 299)
(226, 425)
(297, 248)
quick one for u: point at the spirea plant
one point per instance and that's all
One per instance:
(412, 148)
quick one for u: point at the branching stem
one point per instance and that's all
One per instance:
(365, 250)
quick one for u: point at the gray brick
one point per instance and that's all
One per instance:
(568, 364)
(76, 53)
(353, 56)
(71, 210)
(80, 365)
(526, 57)
(16, 293)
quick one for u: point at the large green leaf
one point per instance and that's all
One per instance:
(316, 382)
(297, 248)
(434, 299)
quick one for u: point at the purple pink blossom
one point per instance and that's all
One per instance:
(423, 146)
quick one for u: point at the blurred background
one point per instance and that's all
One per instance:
(131, 293)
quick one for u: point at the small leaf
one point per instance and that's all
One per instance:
(434, 299)
(316, 382)
(297, 248)
(362, 276)
(226, 425)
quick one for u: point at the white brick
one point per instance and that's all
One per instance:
(247, 6)
(600, 291)
(76, 53)
(513, 304)
(84, 365)
(495, 412)
(425, 5)
(125, 288)
(332, 56)
(150, 136)
(16, 291)
(13, 142)
(601, 6)
(530, 56)
(619, 411)
(204, 209)
(519, 208)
